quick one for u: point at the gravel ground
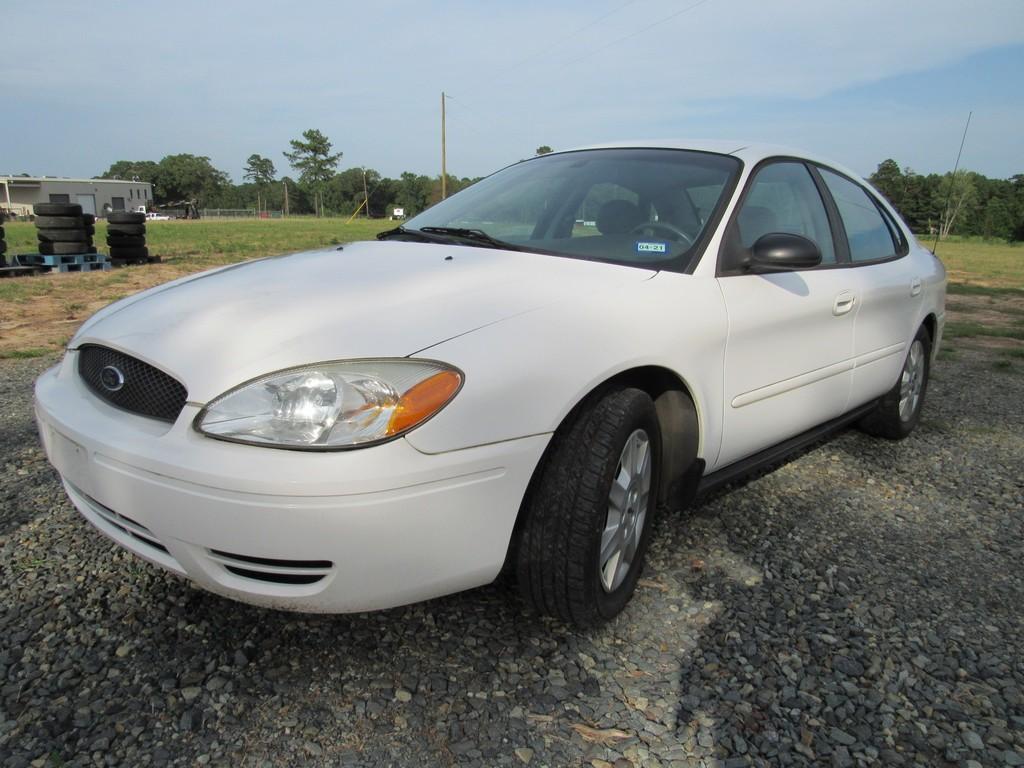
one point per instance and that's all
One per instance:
(862, 605)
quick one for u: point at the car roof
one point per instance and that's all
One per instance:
(749, 152)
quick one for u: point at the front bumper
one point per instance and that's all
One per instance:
(322, 532)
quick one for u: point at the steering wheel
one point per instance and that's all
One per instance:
(663, 227)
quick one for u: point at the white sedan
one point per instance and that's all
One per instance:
(517, 379)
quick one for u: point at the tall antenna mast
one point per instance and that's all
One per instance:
(949, 194)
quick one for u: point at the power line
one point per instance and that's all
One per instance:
(633, 34)
(544, 51)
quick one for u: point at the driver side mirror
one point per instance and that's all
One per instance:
(783, 252)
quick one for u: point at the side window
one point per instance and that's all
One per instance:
(784, 198)
(869, 235)
(60, 198)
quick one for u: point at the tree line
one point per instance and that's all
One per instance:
(961, 203)
(318, 187)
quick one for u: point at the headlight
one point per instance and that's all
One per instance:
(332, 405)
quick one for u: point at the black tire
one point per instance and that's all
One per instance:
(887, 420)
(3, 246)
(62, 249)
(62, 235)
(558, 554)
(59, 222)
(129, 253)
(88, 219)
(126, 217)
(126, 241)
(57, 209)
(127, 229)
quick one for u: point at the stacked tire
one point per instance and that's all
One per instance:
(62, 230)
(126, 237)
(3, 243)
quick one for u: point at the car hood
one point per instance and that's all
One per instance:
(218, 329)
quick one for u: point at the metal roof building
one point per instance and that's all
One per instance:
(19, 194)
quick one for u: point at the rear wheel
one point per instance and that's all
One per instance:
(588, 515)
(900, 409)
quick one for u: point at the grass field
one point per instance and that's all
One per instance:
(39, 314)
(981, 263)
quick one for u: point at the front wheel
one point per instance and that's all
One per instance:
(589, 511)
(900, 409)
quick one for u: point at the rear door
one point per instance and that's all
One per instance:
(789, 354)
(888, 288)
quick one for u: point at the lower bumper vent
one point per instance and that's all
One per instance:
(271, 570)
(125, 525)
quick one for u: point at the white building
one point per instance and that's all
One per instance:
(19, 194)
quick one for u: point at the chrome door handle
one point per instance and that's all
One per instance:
(915, 286)
(845, 301)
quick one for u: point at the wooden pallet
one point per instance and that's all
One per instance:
(59, 261)
(85, 266)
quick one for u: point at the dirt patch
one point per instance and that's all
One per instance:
(992, 342)
(1006, 304)
(43, 312)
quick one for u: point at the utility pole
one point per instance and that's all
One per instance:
(285, 197)
(444, 169)
(366, 196)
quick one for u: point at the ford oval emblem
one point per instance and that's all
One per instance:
(111, 378)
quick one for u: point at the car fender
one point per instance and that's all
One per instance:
(525, 374)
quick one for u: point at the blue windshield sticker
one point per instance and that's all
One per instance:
(645, 246)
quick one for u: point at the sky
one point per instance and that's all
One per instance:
(85, 84)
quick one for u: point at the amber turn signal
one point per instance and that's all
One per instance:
(424, 400)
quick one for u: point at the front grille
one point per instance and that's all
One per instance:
(273, 570)
(140, 388)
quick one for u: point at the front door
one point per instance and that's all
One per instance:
(789, 353)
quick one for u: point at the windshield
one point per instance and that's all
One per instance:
(635, 206)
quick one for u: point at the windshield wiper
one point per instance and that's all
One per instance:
(412, 234)
(476, 236)
(449, 235)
